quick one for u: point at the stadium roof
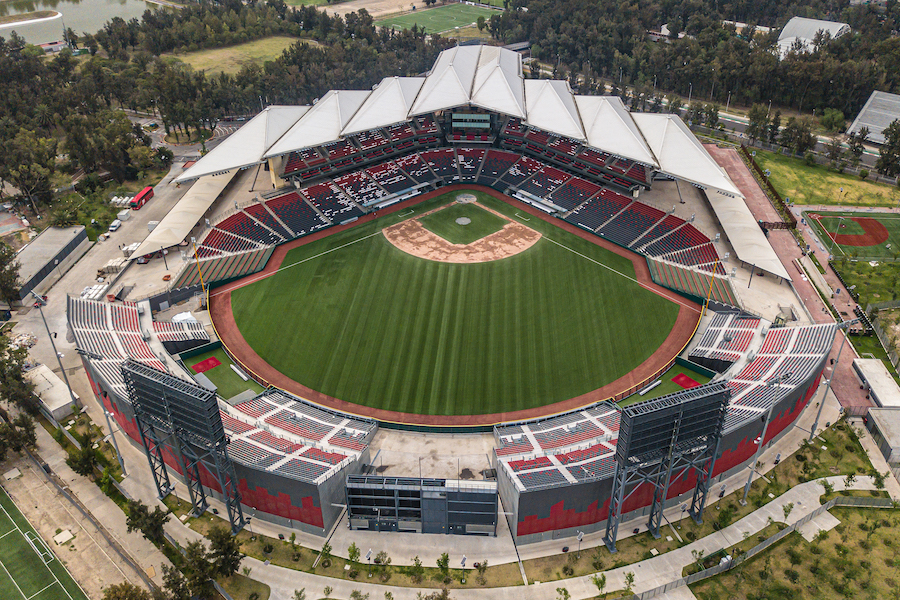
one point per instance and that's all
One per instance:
(247, 146)
(388, 104)
(323, 123)
(881, 110)
(680, 154)
(551, 107)
(803, 30)
(609, 127)
(181, 218)
(480, 76)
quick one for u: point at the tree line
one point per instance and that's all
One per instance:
(713, 62)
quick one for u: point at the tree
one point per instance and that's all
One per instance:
(29, 163)
(443, 564)
(629, 581)
(834, 150)
(17, 435)
(774, 128)
(353, 553)
(83, 460)
(175, 584)
(9, 274)
(481, 23)
(199, 569)
(417, 571)
(855, 145)
(599, 579)
(888, 162)
(849, 480)
(787, 508)
(125, 591)
(562, 594)
(358, 595)
(674, 104)
(150, 523)
(482, 571)
(325, 555)
(224, 551)
(300, 594)
(832, 119)
(797, 135)
(712, 115)
(327, 591)
(757, 122)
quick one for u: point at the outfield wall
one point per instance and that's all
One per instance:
(557, 512)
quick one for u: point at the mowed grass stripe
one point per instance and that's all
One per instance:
(372, 325)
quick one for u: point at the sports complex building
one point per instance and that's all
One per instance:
(462, 252)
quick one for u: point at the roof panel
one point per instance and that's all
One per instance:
(323, 123)
(551, 107)
(680, 154)
(449, 83)
(881, 109)
(499, 84)
(388, 104)
(247, 145)
(610, 128)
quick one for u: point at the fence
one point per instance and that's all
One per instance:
(727, 566)
(771, 192)
(886, 344)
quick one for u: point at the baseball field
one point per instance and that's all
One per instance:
(440, 19)
(357, 318)
(868, 235)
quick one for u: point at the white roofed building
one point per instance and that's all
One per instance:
(802, 31)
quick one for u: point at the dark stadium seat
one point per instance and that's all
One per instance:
(442, 162)
(259, 212)
(390, 177)
(522, 170)
(416, 168)
(469, 161)
(360, 187)
(240, 223)
(293, 210)
(331, 202)
(574, 193)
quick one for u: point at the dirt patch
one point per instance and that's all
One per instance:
(411, 237)
(874, 233)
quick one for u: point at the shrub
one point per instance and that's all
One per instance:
(792, 575)
(863, 173)
(268, 548)
(801, 457)
(569, 571)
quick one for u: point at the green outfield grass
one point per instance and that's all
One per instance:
(228, 382)
(440, 19)
(28, 569)
(356, 318)
(805, 184)
(829, 223)
(443, 223)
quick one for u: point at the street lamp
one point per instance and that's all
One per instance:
(683, 509)
(579, 538)
(690, 93)
(40, 303)
(369, 558)
(774, 382)
(843, 325)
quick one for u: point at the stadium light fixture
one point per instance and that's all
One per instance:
(775, 382)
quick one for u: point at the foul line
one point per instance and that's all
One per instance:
(676, 300)
(283, 268)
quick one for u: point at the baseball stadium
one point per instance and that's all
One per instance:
(464, 255)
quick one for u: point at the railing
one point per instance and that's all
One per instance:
(726, 566)
(771, 192)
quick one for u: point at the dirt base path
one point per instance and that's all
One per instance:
(235, 344)
(874, 233)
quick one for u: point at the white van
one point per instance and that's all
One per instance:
(114, 226)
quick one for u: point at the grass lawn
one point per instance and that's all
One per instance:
(667, 386)
(20, 17)
(240, 587)
(805, 184)
(30, 570)
(828, 224)
(370, 324)
(228, 382)
(873, 283)
(443, 223)
(440, 19)
(232, 59)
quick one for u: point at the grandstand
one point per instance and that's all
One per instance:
(725, 341)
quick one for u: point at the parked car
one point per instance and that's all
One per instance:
(114, 226)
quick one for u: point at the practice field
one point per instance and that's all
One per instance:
(864, 235)
(231, 59)
(28, 569)
(444, 223)
(354, 317)
(805, 184)
(440, 19)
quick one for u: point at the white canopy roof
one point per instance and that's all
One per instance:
(551, 107)
(749, 242)
(322, 123)
(388, 104)
(187, 212)
(499, 85)
(246, 146)
(680, 154)
(803, 30)
(609, 127)
(449, 83)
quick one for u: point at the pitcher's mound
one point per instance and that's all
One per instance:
(463, 221)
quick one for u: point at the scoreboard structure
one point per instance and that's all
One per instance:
(665, 439)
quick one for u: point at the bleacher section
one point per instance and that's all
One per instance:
(280, 433)
(390, 177)
(574, 193)
(725, 341)
(598, 210)
(545, 182)
(293, 210)
(331, 202)
(259, 212)
(242, 224)
(361, 187)
(580, 446)
(695, 284)
(167, 331)
(468, 161)
(442, 162)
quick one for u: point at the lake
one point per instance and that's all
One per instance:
(81, 15)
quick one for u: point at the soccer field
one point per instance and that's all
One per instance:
(357, 319)
(28, 569)
(440, 19)
(864, 235)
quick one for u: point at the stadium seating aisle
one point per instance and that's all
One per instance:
(296, 213)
